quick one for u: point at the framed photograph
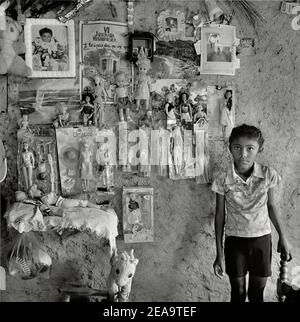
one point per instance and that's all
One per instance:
(50, 48)
(171, 25)
(218, 50)
(138, 221)
(104, 47)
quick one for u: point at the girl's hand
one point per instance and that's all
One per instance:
(285, 249)
(218, 267)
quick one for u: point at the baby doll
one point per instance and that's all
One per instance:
(63, 116)
(122, 99)
(52, 199)
(143, 82)
(87, 109)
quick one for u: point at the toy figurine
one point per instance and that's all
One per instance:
(226, 115)
(86, 165)
(27, 164)
(52, 199)
(177, 149)
(143, 82)
(63, 116)
(87, 109)
(170, 111)
(24, 123)
(122, 98)
(100, 97)
(200, 117)
(185, 109)
(119, 281)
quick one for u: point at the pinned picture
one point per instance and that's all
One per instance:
(171, 25)
(50, 48)
(218, 50)
(221, 112)
(138, 222)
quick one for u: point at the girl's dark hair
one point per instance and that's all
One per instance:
(248, 131)
(229, 101)
(45, 31)
(85, 95)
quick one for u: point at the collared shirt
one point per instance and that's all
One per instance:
(246, 201)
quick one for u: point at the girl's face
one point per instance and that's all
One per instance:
(244, 151)
(46, 37)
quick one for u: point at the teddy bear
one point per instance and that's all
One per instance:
(11, 63)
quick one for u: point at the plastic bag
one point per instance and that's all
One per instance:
(27, 258)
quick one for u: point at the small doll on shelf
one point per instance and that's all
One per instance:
(122, 99)
(185, 109)
(100, 97)
(24, 123)
(170, 111)
(27, 164)
(86, 167)
(87, 110)
(226, 115)
(63, 116)
(143, 81)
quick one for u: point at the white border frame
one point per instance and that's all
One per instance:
(71, 46)
(219, 68)
(81, 63)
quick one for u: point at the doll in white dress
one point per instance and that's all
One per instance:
(143, 81)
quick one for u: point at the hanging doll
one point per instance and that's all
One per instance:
(86, 169)
(185, 109)
(87, 110)
(100, 97)
(226, 115)
(27, 164)
(143, 81)
(177, 151)
(170, 111)
(122, 99)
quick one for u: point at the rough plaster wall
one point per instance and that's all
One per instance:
(178, 265)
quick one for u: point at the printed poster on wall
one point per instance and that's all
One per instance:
(103, 51)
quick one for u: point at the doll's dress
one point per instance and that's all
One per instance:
(226, 118)
(142, 90)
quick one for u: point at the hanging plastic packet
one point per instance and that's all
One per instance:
(27, 258)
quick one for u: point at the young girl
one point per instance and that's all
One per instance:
(245, 193)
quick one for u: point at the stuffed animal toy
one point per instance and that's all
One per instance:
(120, 278)
(3, 7)
(11, 63)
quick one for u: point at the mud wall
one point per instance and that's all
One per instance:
(178, 265)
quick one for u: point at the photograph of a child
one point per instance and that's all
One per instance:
(50, 48)
(171, 24)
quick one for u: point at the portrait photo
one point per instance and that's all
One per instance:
(50, 48)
